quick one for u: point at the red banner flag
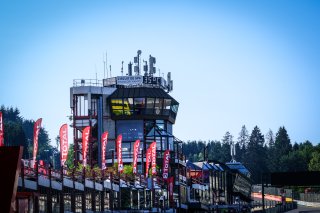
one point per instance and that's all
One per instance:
(63, 143)
(170, 188)
(1, 131)
(148, 159)
(36, 130)
(104, 140)
(165, 169)
(153, 158)
(136, 147)
(85, 142)
(119, 153)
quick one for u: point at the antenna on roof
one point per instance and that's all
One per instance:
(122, 68)
(170, 82)
(152, 69)
(233, 152)
(104, 67)
(110, 72)
(145, 68)
(107, 63)
(130, 69)
(137, 62)
(95, 67)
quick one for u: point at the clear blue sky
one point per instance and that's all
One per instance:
(232, 62)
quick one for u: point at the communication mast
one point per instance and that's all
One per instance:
(137, 62)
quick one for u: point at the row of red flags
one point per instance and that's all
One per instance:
(150, 154)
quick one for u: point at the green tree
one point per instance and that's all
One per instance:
(242, 143)
(282, 143)
(282, 147)
(243, 138)
(314, 164)
(227, 140)
(293, 162)
(269, 138)
(256, 155)
(70, 162)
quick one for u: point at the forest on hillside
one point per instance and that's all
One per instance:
(259, 153)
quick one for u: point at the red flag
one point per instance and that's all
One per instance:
(119, 153)
(136, 147)
(85, 142)
(165, 169)
(1, 130)
(36, 130)
(63, 143)
(148, 158)
(153, 158)
(170, 188)
(104, 140)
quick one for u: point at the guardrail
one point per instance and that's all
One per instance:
(87, 82)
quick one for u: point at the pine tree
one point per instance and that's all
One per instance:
(242, 142)
(256, 155)
(227, 140)
(282, 143)
(270, 138)
(243, 138)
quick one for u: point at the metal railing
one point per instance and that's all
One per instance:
(87, 82)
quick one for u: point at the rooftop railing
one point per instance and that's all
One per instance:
(87, 82)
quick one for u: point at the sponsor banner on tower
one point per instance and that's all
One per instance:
(119, 153)
(154, 158)
(148, 159)
(130, 80)
(1, 130)
(36, 130)
(85, 142)
(104, 140)
(165, 169)
(63, 143)
(136, 147)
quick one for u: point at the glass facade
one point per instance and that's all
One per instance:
(143, 107)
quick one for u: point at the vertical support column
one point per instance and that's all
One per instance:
(111, 200)
(262, 192)
(83, 199)
(145, 197)
(119, 199)
(73, 200)
(152, 193)
(36, 203)
(102, 200)
(75, 142)
(179, 190)
(61, 200)
(93, 201)
(83, 194)
(131, 199)
(49, 200)
(138, 199)
(100, 129)
(93, 193)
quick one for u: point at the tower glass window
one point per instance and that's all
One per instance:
(150, 106)
(117, 106)
(139, 105)
(158, 106)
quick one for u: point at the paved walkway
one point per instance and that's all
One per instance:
(303, 209)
